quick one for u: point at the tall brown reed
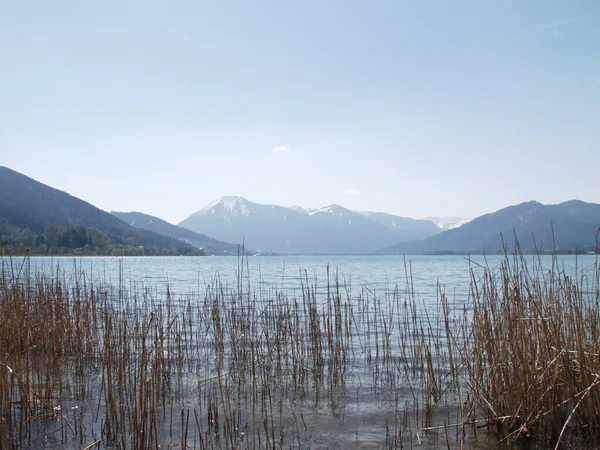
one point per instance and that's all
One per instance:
(240, 369)
(535, 363)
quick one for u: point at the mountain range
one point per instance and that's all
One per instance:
(38, 217)
(328, 229)
(568, 225)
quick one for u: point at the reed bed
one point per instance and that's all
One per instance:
(88, 364)
(534, 367)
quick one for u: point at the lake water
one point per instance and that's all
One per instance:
(189, 275)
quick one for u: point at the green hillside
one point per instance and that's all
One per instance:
(48, 221)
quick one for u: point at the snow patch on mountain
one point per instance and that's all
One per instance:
(232, 207)
(448, 223)
(299, 209)
(329, 208)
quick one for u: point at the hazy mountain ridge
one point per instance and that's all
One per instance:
(326, 229)
(568, 225)
(33, 207)
(160, 226)
(33, 214)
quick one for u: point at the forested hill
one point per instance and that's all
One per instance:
(36, 216)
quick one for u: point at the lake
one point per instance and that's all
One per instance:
(190, 275)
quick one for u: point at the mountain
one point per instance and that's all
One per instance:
(340, 230)
(329, 229)
(448, 223)
(569, 225)
(407, 229)
(28, 207)
(265, 228)
(151, 223)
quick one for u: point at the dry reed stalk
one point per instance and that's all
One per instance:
(522, 355)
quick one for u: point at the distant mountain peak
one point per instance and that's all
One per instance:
(233, 204)
(571, 203)
(536, 227)
(448, 223)
(299, 209)
(230, 206)
(328, 228)
(229, 202)
(331, 208)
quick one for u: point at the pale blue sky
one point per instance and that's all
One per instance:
(413, 108)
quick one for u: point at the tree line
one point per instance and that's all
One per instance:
(70, 239)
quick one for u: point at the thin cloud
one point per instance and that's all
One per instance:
(281, 149)
(557, 24)
(352, 192)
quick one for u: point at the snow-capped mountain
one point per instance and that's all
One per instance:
(327, 229)
(230, 208)
(448, 223)
(329, 208)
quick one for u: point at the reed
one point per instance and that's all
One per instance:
(96, 365)
(535, 359)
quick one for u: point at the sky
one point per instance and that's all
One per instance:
(415, 108)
